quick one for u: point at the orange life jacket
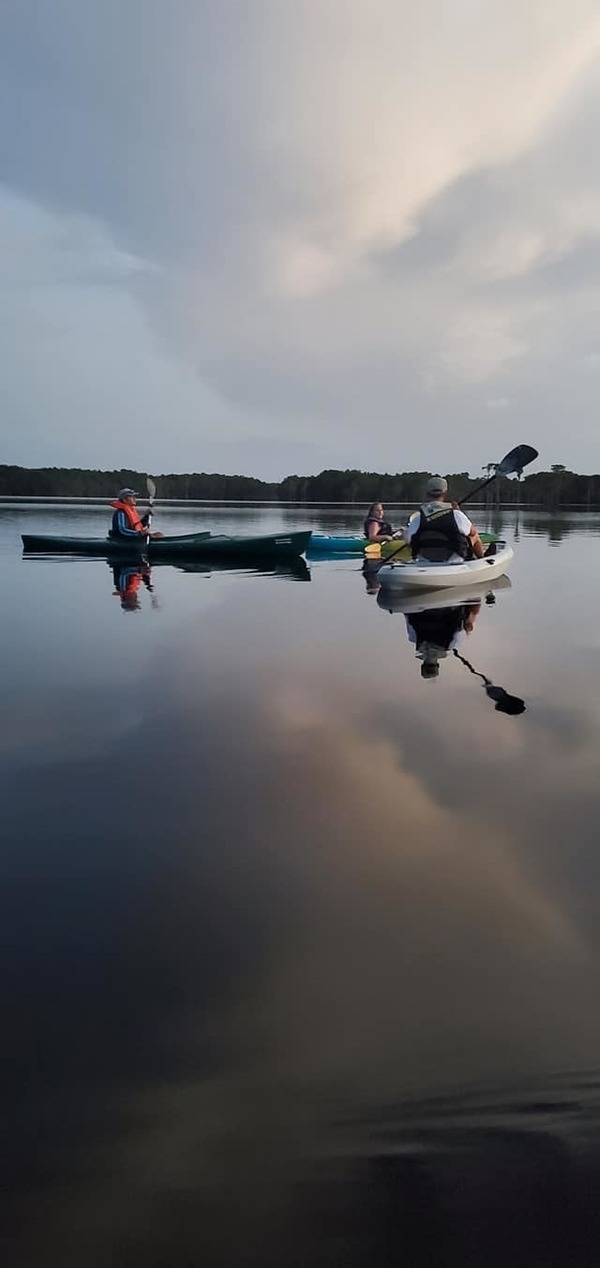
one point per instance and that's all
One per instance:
(133, 583)
(132, 515)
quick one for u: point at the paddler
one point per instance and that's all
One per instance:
(126, 522)
(440, 531)
(376, 527)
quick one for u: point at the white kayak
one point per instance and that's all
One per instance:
(420, 574)
(408, 601)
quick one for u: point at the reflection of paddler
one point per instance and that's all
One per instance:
(437, 631)
(127, 581)
(369, 571)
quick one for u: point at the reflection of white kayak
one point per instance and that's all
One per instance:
(408, 601)
(419, 574)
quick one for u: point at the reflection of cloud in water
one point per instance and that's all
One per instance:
(304, 902)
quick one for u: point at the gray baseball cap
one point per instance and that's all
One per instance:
(436, 485)
(128, 493)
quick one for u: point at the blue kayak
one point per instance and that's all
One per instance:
(326, 544)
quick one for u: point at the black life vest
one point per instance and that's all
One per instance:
(437, 626)
(382, 526)
(438, 535)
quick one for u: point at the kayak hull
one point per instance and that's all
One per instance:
(186, 546)
(420, 575)
(407, 601)
(330, 544)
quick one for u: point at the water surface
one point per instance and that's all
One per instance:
(302, 950)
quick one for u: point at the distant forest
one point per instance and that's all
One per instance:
(546, 489)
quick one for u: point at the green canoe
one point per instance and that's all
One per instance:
(188, 546)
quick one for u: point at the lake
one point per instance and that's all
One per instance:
(302, 950)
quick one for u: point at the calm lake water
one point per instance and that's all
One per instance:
(302, 950)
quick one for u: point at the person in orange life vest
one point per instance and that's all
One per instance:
(126, 522)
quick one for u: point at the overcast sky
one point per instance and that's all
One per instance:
(271, 236)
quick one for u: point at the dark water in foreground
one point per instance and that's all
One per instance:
(301, 951)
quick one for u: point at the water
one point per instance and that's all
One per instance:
(301, 950)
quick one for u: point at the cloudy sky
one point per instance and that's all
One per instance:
(270, 236)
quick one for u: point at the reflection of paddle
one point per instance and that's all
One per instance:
(504, 702)
(512, 464)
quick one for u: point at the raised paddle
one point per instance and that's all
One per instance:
(512, 464)
(151, 487)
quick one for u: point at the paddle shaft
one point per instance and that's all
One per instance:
(505, 703)
(151, 487)
(478, 489)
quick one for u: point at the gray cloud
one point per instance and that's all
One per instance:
(254, 237)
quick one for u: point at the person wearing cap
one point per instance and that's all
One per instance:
(126, 521)
(440, 531)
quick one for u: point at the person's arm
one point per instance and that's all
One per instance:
(146, 521)
(409, 529)
(477, 544)
(471, 615)
(465, 526)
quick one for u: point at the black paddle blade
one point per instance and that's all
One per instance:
(514, 461)
(504, 702)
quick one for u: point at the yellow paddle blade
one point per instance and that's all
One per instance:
(381, 550)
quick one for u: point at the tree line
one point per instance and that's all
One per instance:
(547, 489)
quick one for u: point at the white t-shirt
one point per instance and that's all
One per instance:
(461, 520)
(456, 641)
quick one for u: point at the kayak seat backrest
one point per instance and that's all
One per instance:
(435, 552)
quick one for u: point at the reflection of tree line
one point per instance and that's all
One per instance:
(548, 489)
(554, 527)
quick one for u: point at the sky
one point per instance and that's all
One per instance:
(273, 236)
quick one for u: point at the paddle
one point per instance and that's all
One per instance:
(512, 464)
(504, 703)
(151, 487)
